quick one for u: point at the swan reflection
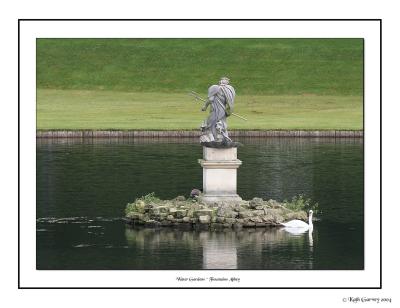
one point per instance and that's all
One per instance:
(301, 232)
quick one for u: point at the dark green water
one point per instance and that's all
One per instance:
(83, 187)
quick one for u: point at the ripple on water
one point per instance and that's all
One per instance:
(76, 220)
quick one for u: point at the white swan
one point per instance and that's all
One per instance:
(299, 226)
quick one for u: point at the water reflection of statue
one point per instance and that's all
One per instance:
(221, 99)
(269, 248)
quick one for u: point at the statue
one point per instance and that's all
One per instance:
(221, 99)
(219, 161)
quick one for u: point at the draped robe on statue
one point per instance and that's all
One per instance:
(222, 99)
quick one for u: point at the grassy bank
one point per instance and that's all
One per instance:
(255, 66)
(76, 109)
(142, 83)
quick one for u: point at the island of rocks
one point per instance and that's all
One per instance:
(150, 211)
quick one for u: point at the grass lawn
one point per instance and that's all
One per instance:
(255, 66)
(142, 83)
(82, 109)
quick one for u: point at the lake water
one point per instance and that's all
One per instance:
(83, 187)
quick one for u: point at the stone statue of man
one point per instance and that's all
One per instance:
(221, 98)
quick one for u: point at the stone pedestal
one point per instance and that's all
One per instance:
(219, 174)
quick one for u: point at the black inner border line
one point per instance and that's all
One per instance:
(380, 116)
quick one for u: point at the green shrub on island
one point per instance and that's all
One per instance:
(301, 203)
(151, 197)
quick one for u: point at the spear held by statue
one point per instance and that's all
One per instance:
(197, 97)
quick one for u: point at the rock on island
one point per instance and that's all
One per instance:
(193, 213)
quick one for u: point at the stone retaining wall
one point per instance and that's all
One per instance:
(195, 133)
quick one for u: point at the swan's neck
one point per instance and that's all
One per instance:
(310, 220)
